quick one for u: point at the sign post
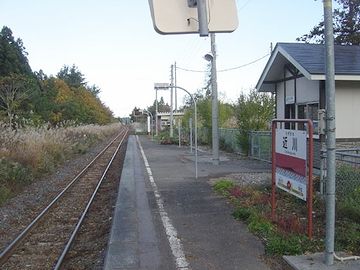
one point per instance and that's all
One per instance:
(292, 164)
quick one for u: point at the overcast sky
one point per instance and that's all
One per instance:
(115, 46)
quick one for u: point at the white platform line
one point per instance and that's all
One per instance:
(171, 233)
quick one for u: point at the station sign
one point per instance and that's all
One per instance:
(290, 162)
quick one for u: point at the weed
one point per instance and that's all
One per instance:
(29, 152)
(349, 206)
(13, 176)
(242, 213)
(260, 225)
(294, 244)
(348, 236)
(4, 194)
(283, 237)
(223, 186)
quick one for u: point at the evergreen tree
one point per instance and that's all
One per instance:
(346, 25)
(13, 58)
(72, 76)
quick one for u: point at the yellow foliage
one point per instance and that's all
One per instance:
(64, 92)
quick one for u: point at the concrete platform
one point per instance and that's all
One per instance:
(166, 219)
(316, 262)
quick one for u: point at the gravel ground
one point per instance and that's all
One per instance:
(19, 211)
(246, 178)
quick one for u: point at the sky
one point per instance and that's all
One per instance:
(114, 44)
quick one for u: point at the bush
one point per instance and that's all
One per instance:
(243, 139)
(13, 176)
(225, 146)
(13, 173)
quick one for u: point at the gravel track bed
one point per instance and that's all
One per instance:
(89, 249)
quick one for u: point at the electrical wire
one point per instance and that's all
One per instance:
(245, 65)
(227, 69)
(244, 5)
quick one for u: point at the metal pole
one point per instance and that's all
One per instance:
(202, 17)
(148, 120)
(151, 123)
(330, 133)
(195, 112)
(196, 154)
(175, 83)
(156, 112)
(166, 86)
(171, 103)
(179, 123)
(215, 110)
(191, 135)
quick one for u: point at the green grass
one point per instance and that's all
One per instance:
(223, 186)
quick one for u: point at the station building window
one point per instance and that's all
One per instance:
(308, 111)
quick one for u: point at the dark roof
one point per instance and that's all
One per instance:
(309, 59)
(312, 57)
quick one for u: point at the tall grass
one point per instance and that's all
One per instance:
(30, 152)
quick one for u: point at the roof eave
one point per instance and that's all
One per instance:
(278, 49)
(338, 77)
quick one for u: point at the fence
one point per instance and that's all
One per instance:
(260, 145)
(229, 140)
(347, 160)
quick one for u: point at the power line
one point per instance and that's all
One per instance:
(245, 65)
(244, 5)
(227, 69)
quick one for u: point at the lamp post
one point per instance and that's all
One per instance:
(157, 106)
(156, 112)
(151, 122)
(214, 99)
(166, 86)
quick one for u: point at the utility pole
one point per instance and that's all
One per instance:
(214, 97)
(175, 80)
(330, 133)
(202, 18)
(156, 112)
(171, 102)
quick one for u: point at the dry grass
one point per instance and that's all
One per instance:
(36, 151)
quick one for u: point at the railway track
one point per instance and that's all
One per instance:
(44, 243)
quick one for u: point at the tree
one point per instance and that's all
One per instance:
(94, 89)
(204, 111)
(346, 25)
(72, 76)
(13, 91)
(13, 58)
(253, 112)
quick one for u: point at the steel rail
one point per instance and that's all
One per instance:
(86, 210)
(7, 252)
